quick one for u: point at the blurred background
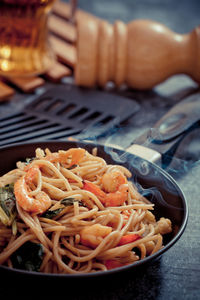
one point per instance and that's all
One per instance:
(180, 16)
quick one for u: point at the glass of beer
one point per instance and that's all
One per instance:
(24, 46)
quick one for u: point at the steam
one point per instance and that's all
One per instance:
(143, 171)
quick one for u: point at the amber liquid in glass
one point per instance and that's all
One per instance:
(24, 47)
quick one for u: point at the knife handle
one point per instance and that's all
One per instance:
(140, 54)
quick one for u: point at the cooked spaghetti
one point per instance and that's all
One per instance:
(71, 212)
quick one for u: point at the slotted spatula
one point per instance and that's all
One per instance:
(66, 110)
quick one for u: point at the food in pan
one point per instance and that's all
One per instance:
(71, 212)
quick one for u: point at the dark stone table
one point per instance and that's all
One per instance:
(177, 274)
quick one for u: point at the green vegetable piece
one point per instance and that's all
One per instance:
(70, 201)
(7, 205)
(49, 214)
(28, 257)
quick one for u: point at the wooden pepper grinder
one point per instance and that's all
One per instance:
(140, 54)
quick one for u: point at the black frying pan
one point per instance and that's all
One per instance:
(153, 182)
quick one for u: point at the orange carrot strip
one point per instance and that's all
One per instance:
(93, 188)
(129, 238)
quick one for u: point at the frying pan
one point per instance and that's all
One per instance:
(152, 181)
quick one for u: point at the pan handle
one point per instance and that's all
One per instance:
(178, 119)
(145, 153)
(169, 130)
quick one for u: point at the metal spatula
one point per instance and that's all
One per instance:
(66, 110)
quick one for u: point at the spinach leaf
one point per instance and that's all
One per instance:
(28, 257)
(9, 188)
(66, 202)
(49, 214)
(7, 205)
(70, 201)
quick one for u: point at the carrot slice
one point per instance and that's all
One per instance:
(129, 238)
(93, 188)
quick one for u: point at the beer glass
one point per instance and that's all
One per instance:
(24, 47)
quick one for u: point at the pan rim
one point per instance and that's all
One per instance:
(98, 274)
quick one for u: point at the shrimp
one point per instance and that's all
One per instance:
(36, 204)
(115, 184)
(75, 154)
(116, 198)
(163, 226)
(93, 235)
(111, 181)
(31, 174)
